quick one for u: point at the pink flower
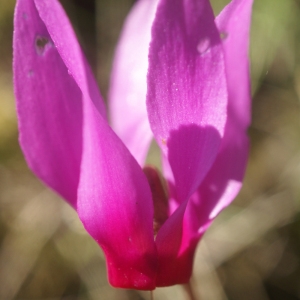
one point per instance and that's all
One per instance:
(189, 89)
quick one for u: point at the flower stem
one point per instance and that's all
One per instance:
(151, 295)
(189, 291)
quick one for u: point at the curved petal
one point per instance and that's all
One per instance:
(187, 92)
(127, 95)
(115, 205)
(65, 136)
(49, 103)
(234, 25)
(224, 180)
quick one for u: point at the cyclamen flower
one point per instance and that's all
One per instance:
(180, 76)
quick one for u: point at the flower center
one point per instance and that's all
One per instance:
(159, 197)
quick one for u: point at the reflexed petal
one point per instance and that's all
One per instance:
(64, 131)
(224, 180)
(187, 92)
(48, 103)
(127, 96)
(115, 205)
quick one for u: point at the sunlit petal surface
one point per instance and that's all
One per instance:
(187, 100)
(187, 93)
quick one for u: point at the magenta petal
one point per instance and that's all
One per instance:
(234, 25)
(127, 96)
(224, 179)
(174, 267)
(48, 103)
(221, 187)
(187, 92)
(68, 143)
(178, 237)
(115, 205)
(65, 41)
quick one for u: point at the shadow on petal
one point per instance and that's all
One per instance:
(192, 150)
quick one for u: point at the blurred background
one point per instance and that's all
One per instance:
(252, 251)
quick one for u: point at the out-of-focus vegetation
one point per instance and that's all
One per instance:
(252, 251)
